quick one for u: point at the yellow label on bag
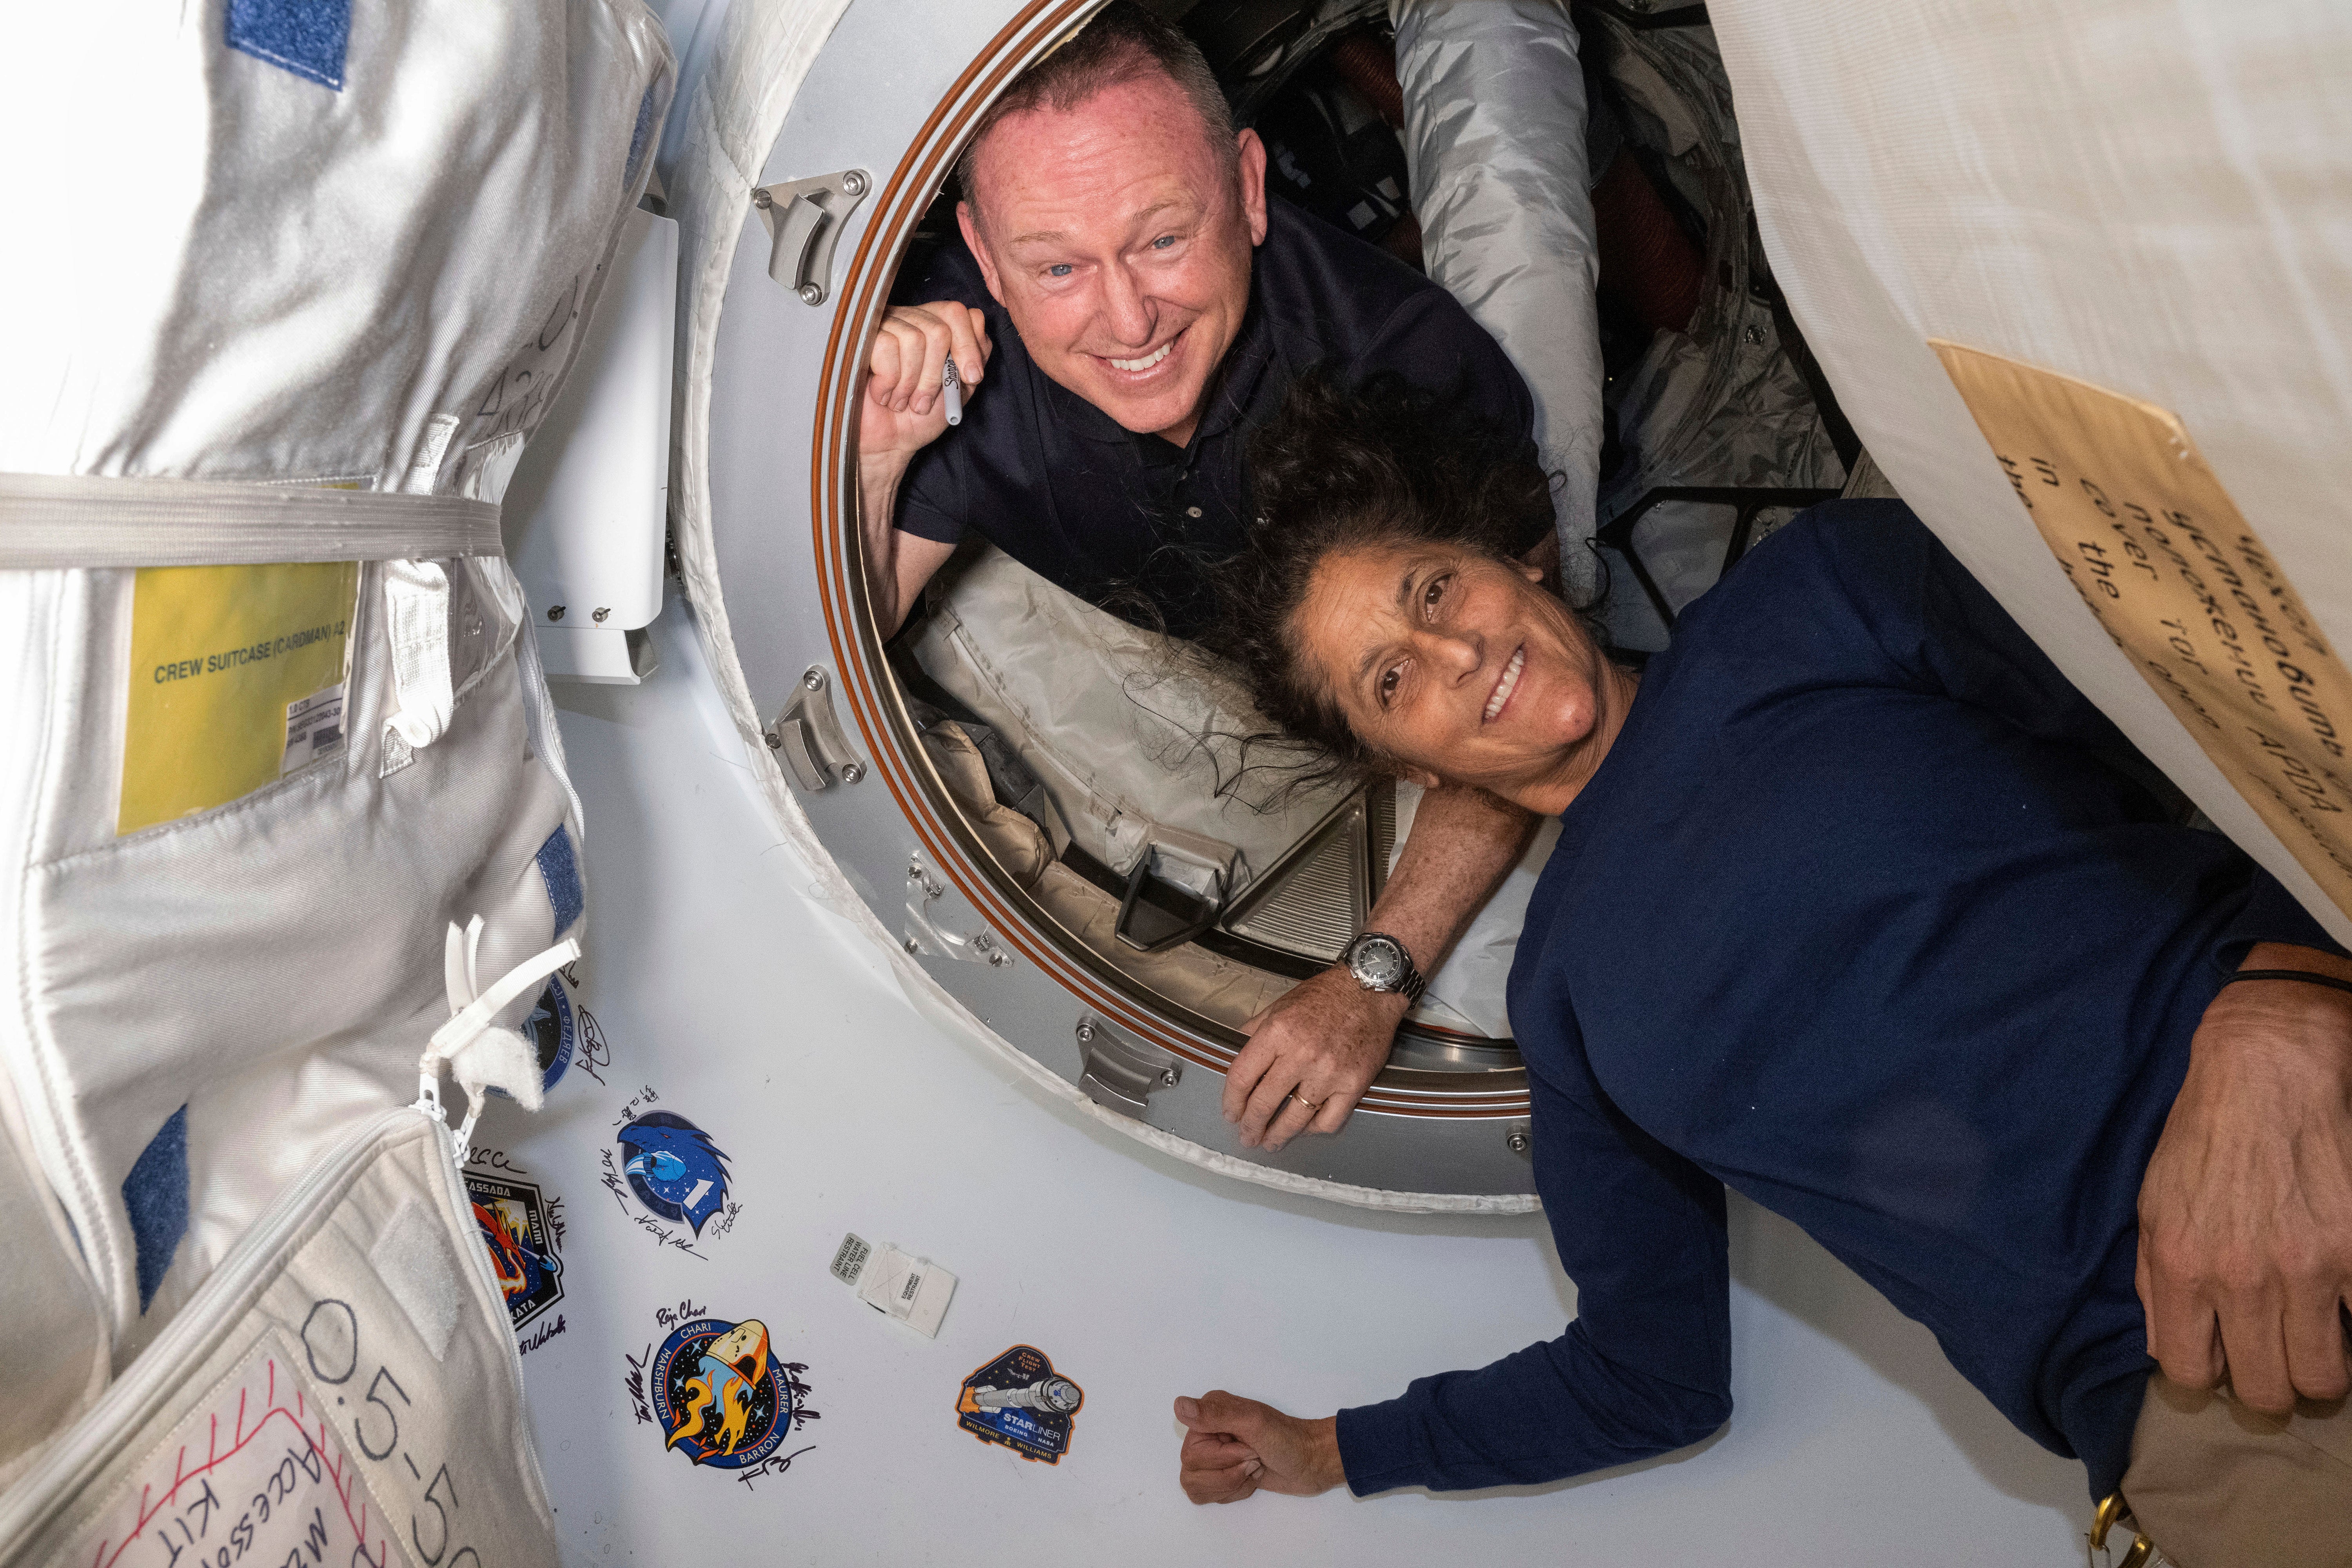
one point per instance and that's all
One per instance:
(236, 678)
(2142, 527)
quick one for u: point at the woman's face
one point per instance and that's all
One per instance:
(1463, 669)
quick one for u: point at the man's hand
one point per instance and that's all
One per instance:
(1311, 1056)
(2246, 1249)
(1233, 1446)
(903, 411)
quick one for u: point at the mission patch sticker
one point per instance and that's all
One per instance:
(719, 1395)
(1020, 1401)
(518, 1227)
(552, 1031)
(669, 1176)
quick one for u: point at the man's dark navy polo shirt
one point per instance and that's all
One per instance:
(1116, 517)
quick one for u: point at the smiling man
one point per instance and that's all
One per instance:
(1136, 307)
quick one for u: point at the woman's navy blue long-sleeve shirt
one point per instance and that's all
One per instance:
(1868, 914)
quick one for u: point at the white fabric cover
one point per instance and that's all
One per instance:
(243, 274)
(733, 120)
(53, 1357)
(1127, 733)
(2150, 196)
(1472, 981)
(1495, 137)
(356, 1323)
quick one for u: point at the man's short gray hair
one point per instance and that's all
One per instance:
(1123, 42)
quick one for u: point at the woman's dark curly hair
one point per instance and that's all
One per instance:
(1384, 463)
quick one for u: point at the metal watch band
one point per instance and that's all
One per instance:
(1412, 983)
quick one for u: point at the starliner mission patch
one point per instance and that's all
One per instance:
(1020, 1401)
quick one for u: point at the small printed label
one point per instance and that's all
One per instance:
(314, 728)
(850, 1259)
(236, 678)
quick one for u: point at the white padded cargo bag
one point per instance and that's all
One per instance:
(2080, 276)
(280, 790)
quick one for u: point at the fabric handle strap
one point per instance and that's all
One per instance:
(52, 520)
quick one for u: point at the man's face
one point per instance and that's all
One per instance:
(1119, 244)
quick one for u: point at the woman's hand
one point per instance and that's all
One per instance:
(902, 411)
(1233, 1446)
(2245, 1213)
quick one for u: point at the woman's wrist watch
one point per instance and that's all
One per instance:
(1380, 962)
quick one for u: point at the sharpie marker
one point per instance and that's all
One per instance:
(951, 388)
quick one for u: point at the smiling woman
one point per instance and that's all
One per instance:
(1380, 614)
(1862, 911)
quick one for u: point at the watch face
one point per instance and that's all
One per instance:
(1379, 963)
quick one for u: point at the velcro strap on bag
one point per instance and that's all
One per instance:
(53, 520)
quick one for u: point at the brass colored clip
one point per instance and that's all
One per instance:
(2113, 1510)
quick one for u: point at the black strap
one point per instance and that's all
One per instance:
(2289, 975)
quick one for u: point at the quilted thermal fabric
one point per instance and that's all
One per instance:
(2151, 195)
(1495, 138)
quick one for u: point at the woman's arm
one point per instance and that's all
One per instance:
(1646, 1368)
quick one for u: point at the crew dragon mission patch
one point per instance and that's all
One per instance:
(718, 1394)
(1020, 1401)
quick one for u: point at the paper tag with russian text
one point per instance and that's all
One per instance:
(2142, 527)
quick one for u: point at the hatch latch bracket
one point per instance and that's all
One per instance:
(1119, 1072)
(809, 740)
(805, 219)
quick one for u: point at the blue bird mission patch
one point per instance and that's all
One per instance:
(668, 1177)
(674, 1168)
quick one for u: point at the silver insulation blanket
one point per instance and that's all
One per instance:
(1495, 138)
